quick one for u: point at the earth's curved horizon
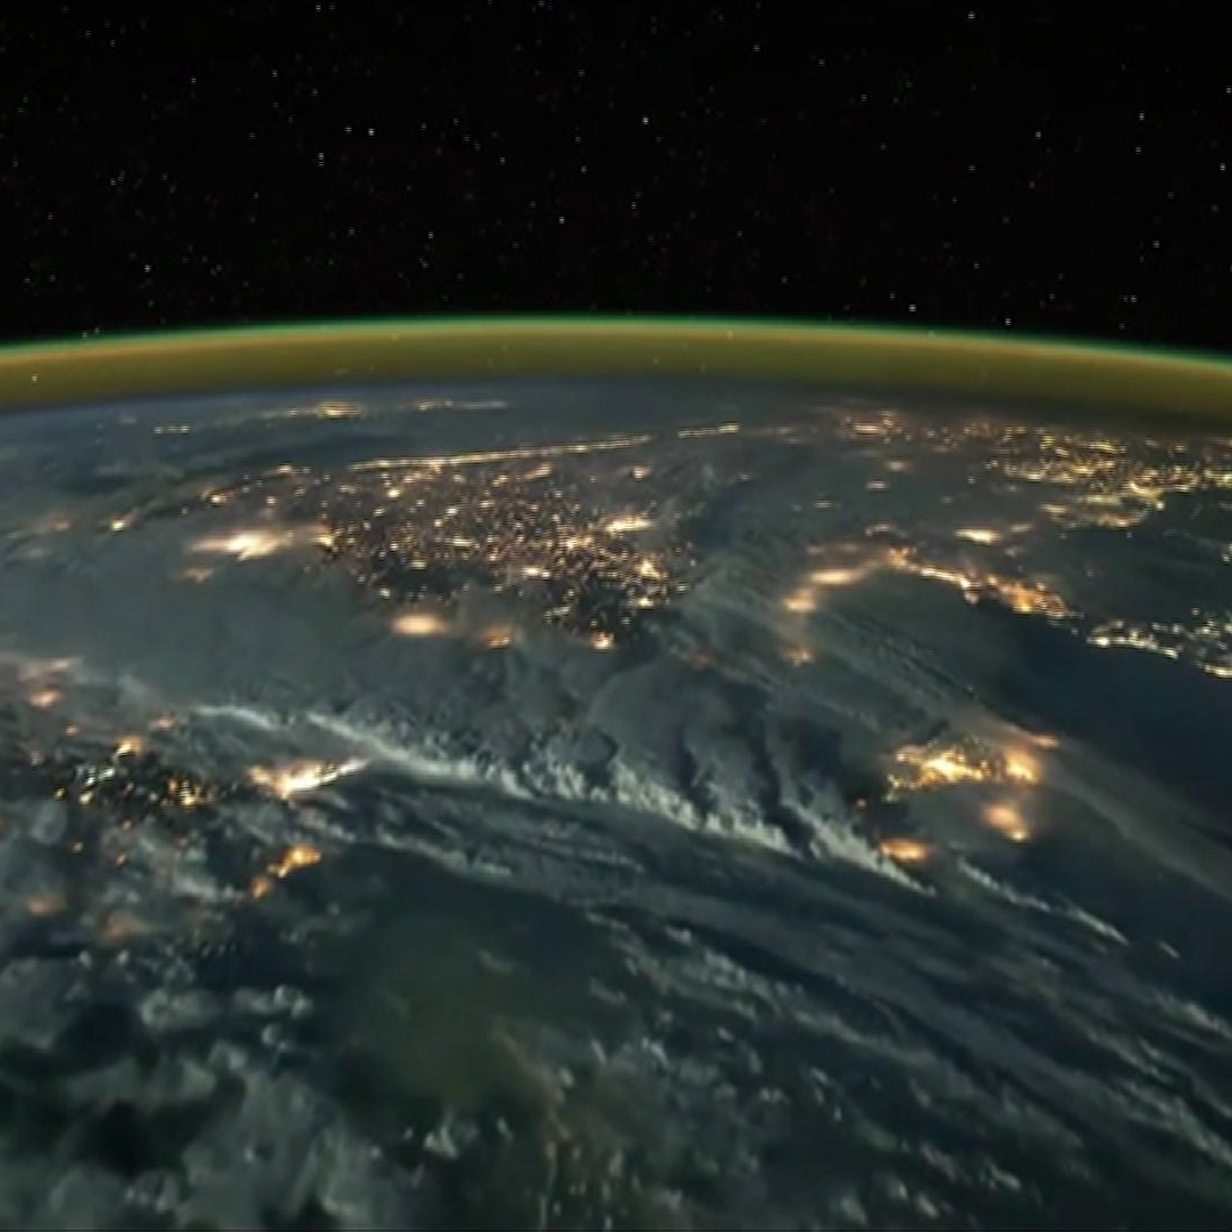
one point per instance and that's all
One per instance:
(589, 774)
(1035, 370)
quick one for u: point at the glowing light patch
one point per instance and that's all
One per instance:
(900, 560)
(121, 927)
(905, 850)
(837, 577)
(420, 624)
(628, 525)
(186, 795)
(497, 637)
(1007, 821)
(1021, 768)
(297, 857)
(949, 768)
(249, 544)
(43, 905)
(967, 761)
(1027, 598)
(940, 769)
(300, 777)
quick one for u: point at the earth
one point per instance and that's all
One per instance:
(613, 801)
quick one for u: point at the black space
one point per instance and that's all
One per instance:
(1028, 170)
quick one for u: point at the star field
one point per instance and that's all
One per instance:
(960, 167)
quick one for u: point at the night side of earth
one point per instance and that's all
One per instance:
(614, 774)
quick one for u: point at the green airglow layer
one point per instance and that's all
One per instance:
(841, 357)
